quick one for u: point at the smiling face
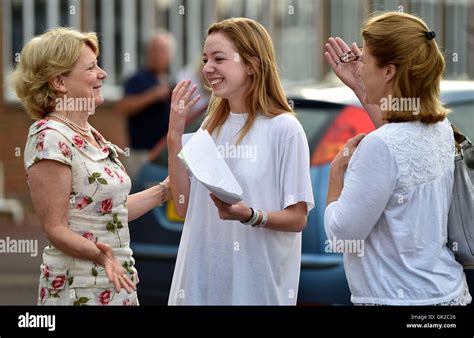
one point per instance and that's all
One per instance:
(225, 71)
(373, 77)
(85, 78)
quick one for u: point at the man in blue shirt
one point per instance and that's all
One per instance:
(146, 102)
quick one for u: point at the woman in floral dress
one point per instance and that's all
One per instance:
(78, 186)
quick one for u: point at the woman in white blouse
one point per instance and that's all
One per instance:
(390, 191)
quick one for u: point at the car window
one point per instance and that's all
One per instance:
(315, 121)
(462, 116)
(315, 117)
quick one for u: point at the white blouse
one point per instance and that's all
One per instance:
(391, 218)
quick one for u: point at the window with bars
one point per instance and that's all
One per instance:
(123, 27)
(299, 29)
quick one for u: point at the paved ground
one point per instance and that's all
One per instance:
(20, 271)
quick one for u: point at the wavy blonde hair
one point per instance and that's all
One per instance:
(43, 58)
(400, 39)
(265, 94)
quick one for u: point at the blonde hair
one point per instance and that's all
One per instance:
(265, 93)
(43, 58)
(400, 39)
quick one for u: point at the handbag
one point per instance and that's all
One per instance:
(461, 212)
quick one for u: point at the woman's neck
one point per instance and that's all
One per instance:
(237, 106)
(80, 118)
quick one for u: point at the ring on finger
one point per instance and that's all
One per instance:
(344, 55)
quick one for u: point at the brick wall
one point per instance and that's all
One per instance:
(14, 124)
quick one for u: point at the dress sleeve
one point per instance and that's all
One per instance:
(369, 184)
(48, 144)
(295, 180)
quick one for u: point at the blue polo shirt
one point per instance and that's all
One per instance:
(148, 126)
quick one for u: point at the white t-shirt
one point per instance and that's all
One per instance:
(226, 262)
(395, 201)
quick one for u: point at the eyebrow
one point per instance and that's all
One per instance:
(91, 63)
(216, 52)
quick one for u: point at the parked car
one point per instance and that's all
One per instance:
(330, 116)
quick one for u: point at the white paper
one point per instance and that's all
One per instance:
(203, 160)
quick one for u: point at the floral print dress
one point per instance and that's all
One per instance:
(97, 211)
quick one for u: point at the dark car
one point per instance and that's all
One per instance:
(330, 116)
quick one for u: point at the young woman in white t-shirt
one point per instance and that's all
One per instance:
(220, 259)
(392, 196)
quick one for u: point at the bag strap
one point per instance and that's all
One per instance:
(462, 142)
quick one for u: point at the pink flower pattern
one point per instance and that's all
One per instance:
(45, 270)
(78, 141)
(100, 187)
(40, 142)
(89, 235)
(108, 171)
(43, 295)
(104, 297)
(83, 202)
(65, 150)
(40, 123)
(58, 282)
(106, 206)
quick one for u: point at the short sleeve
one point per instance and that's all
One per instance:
(295, 180)
(48, 144)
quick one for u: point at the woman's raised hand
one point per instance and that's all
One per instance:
(181, 104)
(347, 72)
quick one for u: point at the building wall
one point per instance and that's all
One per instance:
(14, 124)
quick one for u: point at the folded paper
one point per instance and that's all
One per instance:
(202, 158)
